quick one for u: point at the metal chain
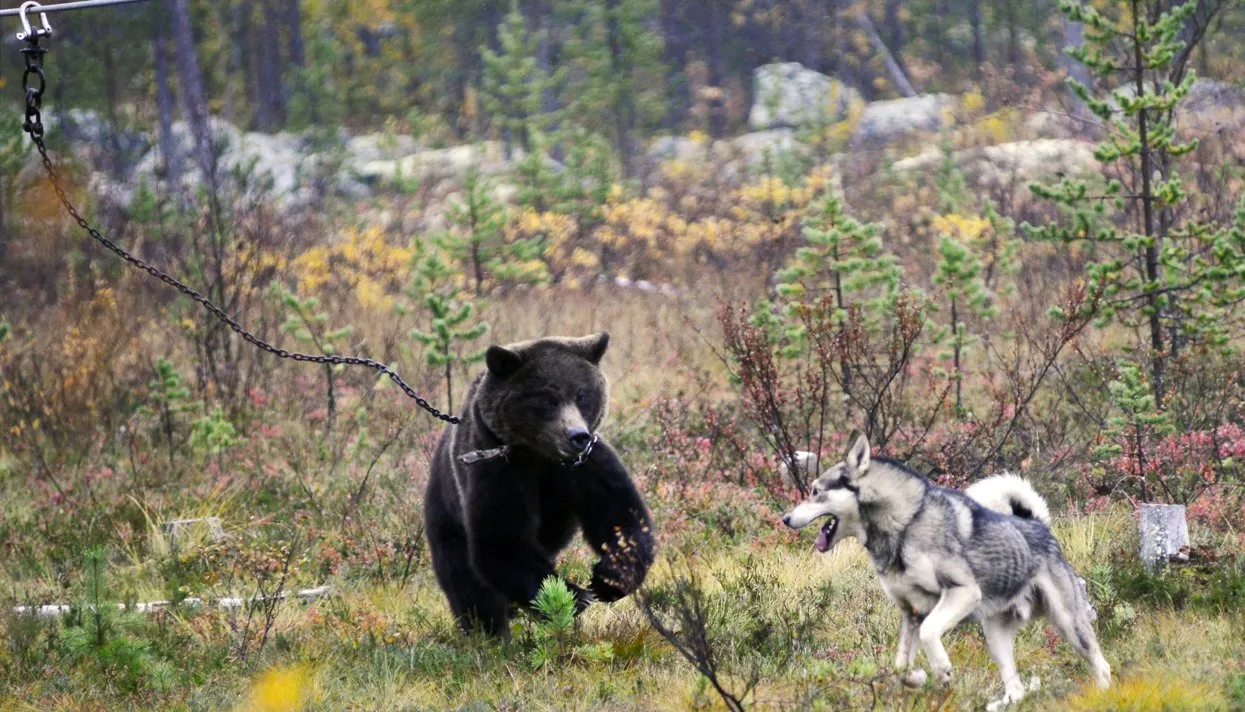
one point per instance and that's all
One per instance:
(470, 458)
(33, 53)
(583, 456)
(34, 127)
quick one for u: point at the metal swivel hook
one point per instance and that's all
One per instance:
(29, 33)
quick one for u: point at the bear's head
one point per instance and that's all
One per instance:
(547, 396)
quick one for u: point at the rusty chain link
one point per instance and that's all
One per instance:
(33, 125)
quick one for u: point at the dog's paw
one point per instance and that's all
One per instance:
(914, 677)
(1001, 704)
(1014, 692)
(943, 677)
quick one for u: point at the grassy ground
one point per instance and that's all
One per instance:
(790, 629)
(389, 647)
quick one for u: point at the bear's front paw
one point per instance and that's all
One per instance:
(583, 597)
(606, 589)
(613, 579)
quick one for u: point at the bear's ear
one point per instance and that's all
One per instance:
(502, 362)
(597, 346)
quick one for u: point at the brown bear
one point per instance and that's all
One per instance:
(523, 471)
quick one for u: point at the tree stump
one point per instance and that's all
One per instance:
(1164, 533)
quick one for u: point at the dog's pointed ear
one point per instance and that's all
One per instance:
(502, 362)
(858, 453)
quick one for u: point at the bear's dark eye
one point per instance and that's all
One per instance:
(542, 402)
(583, 399)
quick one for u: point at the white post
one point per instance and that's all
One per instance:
(1164, 532)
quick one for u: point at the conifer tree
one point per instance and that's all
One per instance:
(514, 83)
(479, 240)
(1174, 281)
(537, 178)
(958, 275)
(580, 189)
(100, 632)
(309, 325)
(617, 72)
(843, 259)
(1138, 420)
(436, 288)
(480, 220)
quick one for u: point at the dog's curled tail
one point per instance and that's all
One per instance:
(1010, 494)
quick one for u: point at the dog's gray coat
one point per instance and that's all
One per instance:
(944, 556)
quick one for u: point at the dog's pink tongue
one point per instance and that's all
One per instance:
(823, 541)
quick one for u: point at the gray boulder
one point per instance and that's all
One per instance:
(788, 94)
(93, 137)
(677, 148)
(1213, 106)
(276, 163)
(759, 146)
(446, 164)
(1212, 95)
(884, 122)
(1017, 161)
(361, 150)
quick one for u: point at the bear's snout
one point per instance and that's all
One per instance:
(579, 437)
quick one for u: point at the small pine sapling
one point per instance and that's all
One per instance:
(958, 276)
(98, 631)
(310, 326)
(479, 220)
(553, 629)
(843, 258)
(1132, 430)
(582, 190)
(844, 261)
(169, 400)
(479, 240)
(436, 287)
(213, 434)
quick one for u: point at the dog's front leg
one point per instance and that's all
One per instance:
(905, 653)
(954, 606)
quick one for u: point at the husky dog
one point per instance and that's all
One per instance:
(943, 556)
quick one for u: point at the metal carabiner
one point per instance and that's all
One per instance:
(28, 32)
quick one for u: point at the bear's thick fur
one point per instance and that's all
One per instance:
(496, 521)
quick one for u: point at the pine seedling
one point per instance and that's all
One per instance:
(436, 288)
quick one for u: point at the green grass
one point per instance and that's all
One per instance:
(383, 647)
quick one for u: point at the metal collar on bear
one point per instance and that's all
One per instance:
(470, 458)
(475, 456)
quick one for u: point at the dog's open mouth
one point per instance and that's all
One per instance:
(826, 535)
